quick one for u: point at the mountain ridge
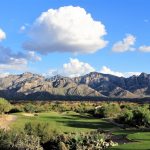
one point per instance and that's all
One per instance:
(99, 85)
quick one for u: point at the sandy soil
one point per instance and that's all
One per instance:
(5, 121)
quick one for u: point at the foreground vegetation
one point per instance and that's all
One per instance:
(75, 126)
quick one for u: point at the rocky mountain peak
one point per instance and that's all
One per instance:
(29, 85)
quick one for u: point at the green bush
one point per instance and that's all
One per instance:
(5, 106)
(108, 110)
(139, 117)
(30, 108)
(126, 116)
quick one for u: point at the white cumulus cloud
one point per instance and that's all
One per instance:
(125, 45)
(66, 29)
(2, 35)
(144, 48)
(76, 68)
(107, 70)
(73, 68)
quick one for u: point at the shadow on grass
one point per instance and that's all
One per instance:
(82, 116)
(89, 125)
(130, 131)
(70, 117)
(56, 118)
(124, 132)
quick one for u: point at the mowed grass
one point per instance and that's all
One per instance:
(139, 141)
(63, 122)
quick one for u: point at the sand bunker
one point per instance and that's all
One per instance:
(28, 114)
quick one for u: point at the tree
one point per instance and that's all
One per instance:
(126, 117)
(30, 108)
(108, 110)
(139, 117)
(5, 106)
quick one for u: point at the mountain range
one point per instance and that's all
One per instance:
(29, 86)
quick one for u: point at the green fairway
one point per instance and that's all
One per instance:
(139, 141)
(64, 122)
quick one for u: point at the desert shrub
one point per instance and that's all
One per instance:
(141, 117)
(5, 140)
(108, 110)
(15, 110)
(5, 106)
(126, 116)
(30, 108)
(29, 142)
(126, 106)
(41, 130)
(137, 117)
(40, 108)
(59, 106)
(129, 106)
(19, 107)
(84, 107)
(18, 141)
(77, 141)
(79, 107)
(99, 111)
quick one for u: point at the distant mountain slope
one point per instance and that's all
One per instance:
(37, 87)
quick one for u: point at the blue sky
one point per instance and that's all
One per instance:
(127, 24)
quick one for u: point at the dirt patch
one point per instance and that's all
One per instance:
(6, 120)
